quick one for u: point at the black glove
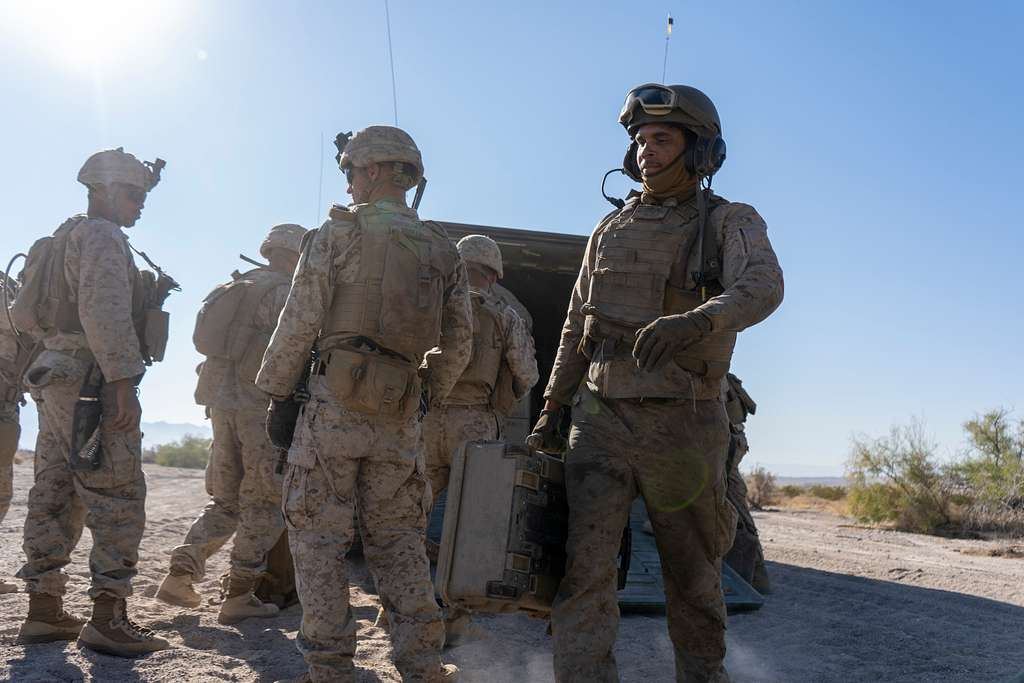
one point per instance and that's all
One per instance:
(546, 436)
(667, 335)
(281, 419)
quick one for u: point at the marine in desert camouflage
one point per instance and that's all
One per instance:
(666, 283)
(375, 289)
(232, 331)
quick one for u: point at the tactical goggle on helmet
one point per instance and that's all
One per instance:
(681, 105)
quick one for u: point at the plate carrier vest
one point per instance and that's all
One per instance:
(642, 253)
(476, 385)
(397, 297)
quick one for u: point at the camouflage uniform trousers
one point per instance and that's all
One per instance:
(340, 463)
(445, 429)
(10, 432)
(245, 497)
(111, 500)
(746, 552)
(673, 453)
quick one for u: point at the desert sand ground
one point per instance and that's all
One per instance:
(850, 604)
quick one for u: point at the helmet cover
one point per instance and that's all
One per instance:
(483, 250)
(380, 144)
(284, 236)
(117, 166)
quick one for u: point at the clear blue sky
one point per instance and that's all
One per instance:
(882, 143)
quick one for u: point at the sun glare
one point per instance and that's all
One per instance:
(92, 35)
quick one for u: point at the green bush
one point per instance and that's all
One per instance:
(191, 451)
(896, 478)
(988, 479)
(792, 490)
(826, 492)
(875, 502)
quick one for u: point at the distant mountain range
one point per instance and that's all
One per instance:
(153, 433)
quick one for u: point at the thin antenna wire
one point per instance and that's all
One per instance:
(320, 192)
(664, 62)
(391, 57)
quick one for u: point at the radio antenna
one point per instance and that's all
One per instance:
(391, 58)
(668, 34)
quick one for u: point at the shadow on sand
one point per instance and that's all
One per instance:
(858, 629)
(32, 667)
(817, 627)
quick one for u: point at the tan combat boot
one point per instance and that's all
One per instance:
(448, 673)
(47, 621)
(176, 589)
(111, 632)
(241, 604)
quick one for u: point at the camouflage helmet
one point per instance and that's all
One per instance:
(117, 166)
(482, 250)
(683, 105)
(285, 236)
(379, 144)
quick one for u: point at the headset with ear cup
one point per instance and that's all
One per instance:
(705, 156)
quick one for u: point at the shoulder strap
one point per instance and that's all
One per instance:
(711, 268)
(337, 213)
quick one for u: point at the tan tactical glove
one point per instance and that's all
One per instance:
(666, 336)
(546, 436)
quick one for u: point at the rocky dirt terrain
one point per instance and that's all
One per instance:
(850, 604)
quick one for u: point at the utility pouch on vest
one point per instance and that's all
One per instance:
(709, 369)
(155, 332)
(504, 398)
(12, 394)
(86, 437)
(250, 358)
(615, 339)
(373, 384)
(738, 402)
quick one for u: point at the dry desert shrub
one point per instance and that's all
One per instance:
(761, 488)
(896, 478)
(791, 490)
(988, 478)
(191, 451)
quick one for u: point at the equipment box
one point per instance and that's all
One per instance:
(503, 540)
